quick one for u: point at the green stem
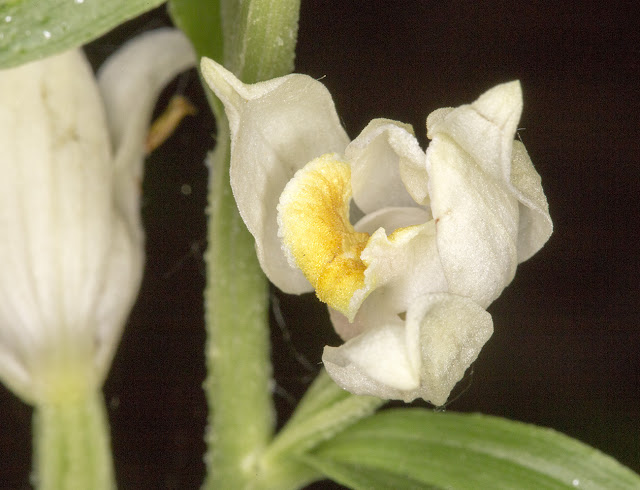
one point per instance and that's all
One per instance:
(237, 351)
(72, 447)
(258, 38)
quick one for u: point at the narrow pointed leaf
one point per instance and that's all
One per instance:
(200, 21)
(33, 29)
(414, 448)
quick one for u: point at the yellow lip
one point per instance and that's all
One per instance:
(313, 218)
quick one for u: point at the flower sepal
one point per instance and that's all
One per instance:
(423, 356)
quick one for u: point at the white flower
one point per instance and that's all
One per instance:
(71, 236)
(439, 236)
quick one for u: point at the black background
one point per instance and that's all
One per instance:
(565, 352)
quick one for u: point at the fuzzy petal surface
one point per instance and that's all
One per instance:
(477, 215)
(130, 82)
(486, 131)
(277, 127)
(423, 357)
(388, 167)
(72, 238)
(535, 222)
(476, 224)
(57, 214)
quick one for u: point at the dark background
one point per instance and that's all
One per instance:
(565, 352)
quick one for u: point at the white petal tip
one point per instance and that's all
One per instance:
(501, 103)
(223, 83)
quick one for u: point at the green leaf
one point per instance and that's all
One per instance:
(33, 29)
(200, 21)
(414, 448)
(356, 476)
(324, 411)
(321, 395)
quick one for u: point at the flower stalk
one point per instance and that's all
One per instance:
(71, 444)
(238, 384)
(237, 350)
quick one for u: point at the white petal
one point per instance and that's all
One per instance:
(476, 223)
(276, 128)
(484, 129)
(121, 282)
(392, 218)
(131, 81)
(477, 214)
(535, 222)
(400, 266)
(343, 327)
(387, 167)
(424, 358)
(55, 205)
(453, 330)
(13, 373)
(375, 363)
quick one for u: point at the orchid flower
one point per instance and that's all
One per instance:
(72, 241)
(432, 239)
